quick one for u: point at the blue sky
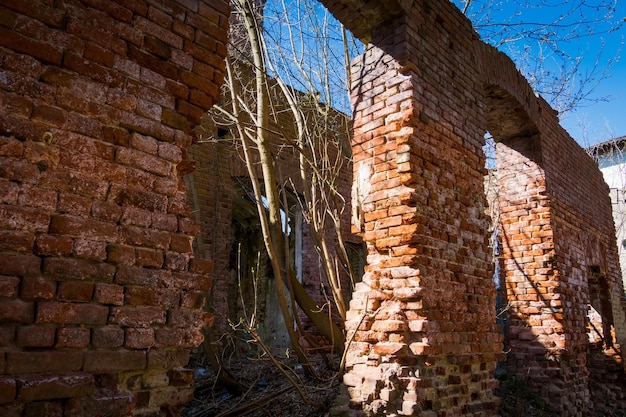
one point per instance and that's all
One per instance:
(602, 120)
(598, 42)
(601, 117)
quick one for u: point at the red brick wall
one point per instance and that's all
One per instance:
(425, 340)
(421, 325)
(100, 295)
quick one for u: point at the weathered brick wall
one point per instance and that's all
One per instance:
(423, 338)
(420, 116)
(101, 294)
(556, 233)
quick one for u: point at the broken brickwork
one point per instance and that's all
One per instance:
(422, 332)
(101, 295)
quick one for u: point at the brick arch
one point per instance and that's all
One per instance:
(549, 194)
(425, 92)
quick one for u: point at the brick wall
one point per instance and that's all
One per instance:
(101, 293)
(421, 325)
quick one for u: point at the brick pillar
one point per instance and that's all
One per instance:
(100, 293)
(422, 338)
(536, 336)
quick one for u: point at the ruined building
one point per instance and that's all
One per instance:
(102, 295)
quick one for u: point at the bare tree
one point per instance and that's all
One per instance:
(277, 99)
(558, 45)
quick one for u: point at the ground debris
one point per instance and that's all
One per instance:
(269, 392)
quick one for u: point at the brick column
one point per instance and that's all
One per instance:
(422, 338)
(100, 292)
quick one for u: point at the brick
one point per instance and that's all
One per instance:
(12, 410)
(8, 192)
(92, 70)
(157, 47)
(115, 135)
(166, 186)
(166, 36)
(170, 152)
(18, 170)
(9, 286)
(38, 288)
(177, 90)
(153, 63)
(42, 362)
(83, 125)
(112, 361)
(183, 30)
(63, 269)
(53, 245)
(137, 316)
(167, 358)
(71, 313)
(75, 291)
(144, 161)
(118, 12)
(189, 281)
(8, 390)
(76, 183)
(164, 221)
(188, 226)
(102, 403)
(181, 377)
(107, 337)
(21, 265)
(73, 338)
(183, 338)
(89, 249)
(39, 388)
(16, 241)
(182, 244)
(201, 266)
(152, 278)
(16, 311)
(22, 218)
(99, 55)
(189, 318)
(149, 258)
(193, 299)
(38, 198)
(17, 105)
(200, 99)
(148, 238)
(84, 228)
(74, 204)
(35, 336)
(136, 217)
(48, 54)
(176, 261)
(144, 144)
(141, 199)
(139, 338)
(49, 114)
(171, 396)
(109, 294)
(121, 254)
(175, 120)
(142, 296)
